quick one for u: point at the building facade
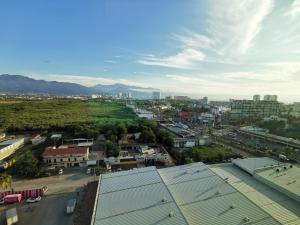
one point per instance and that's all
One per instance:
(270, 98)
(156, 95)
(8, 147)
(251, 109)
(296, 109)
(65, 156)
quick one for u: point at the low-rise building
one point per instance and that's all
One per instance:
(144, 114)
(38, 139)
(65, 156)
(8, 147)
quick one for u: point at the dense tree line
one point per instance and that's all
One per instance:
(206, 154)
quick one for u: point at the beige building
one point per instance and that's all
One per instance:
(249, 108)
(8, 147)
(65, 156)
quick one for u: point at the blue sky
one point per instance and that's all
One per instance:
(218, 48)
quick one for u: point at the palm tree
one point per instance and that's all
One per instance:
(5, 181)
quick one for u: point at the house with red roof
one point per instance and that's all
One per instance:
(65, 156)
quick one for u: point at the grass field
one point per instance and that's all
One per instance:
(45, 114)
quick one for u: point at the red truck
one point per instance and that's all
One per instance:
(12, 198)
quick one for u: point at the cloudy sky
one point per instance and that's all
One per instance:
(217, 48)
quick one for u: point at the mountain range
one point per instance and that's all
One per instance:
(18, 84)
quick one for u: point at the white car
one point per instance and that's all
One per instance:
(33, 200)
(60, 172)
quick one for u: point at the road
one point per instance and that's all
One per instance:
(51, 210)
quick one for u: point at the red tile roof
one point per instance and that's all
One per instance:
(50, 151)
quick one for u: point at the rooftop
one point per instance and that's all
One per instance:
(252, 164)
(10, 141)
(52, 151)
(276, 204)
(188, 194)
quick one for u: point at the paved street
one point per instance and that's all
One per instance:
(51, 210)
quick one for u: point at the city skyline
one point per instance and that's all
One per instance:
(189, 48)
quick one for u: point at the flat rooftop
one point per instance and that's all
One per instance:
(190, 194)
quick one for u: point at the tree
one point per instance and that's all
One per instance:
(111, 149)
(27, 165)
(5, 181)
(188, 160)
(147, 136)
(165, 138)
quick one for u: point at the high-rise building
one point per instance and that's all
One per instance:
(205, 100)
(256, 97)
(156, 95)
(270, 97)
(249, 108)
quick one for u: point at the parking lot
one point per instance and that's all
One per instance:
(51, 210)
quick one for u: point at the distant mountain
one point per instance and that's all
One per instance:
(18, 84)
(136, 92)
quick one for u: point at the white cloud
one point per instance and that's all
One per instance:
(294, 10)
(185, 59)
(194, 40)
(234, 24)
(110, 61)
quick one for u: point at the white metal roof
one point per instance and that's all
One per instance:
(188, 194)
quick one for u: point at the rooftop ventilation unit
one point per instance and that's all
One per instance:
(246, 219)
(171, 214)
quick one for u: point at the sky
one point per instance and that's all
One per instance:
(218, 48)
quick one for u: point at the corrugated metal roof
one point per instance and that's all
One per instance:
(131, 180)
(284, 178)
(278, 205)
(133, 199)
(194, 194)
(252, 164)
(206, 198)
(138, 197)
(158, 215)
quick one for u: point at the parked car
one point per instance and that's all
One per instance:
(12, 198)
(33, 200)
(60, 172)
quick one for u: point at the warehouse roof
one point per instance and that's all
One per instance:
(280, 206)
(188, 194)
(285, 178)
(252, 164)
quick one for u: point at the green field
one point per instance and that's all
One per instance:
(46, 114)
